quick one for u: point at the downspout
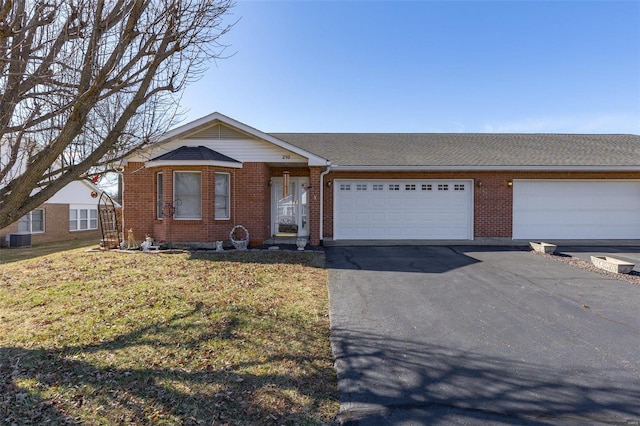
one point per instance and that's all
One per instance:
(121, 187)
(322, 175)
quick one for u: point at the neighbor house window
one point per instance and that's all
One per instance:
(32, 222)
(159, 203)
(222, 196)
(187, 195)
(81, 219)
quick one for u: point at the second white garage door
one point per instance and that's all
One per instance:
(403, 209)
(581, 209)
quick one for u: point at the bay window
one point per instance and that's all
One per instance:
(159, 201)
(222, 196)
(187, 195)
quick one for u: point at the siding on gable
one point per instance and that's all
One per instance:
(243, 150)
(75, 193)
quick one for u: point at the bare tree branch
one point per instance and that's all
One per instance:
(85, 82)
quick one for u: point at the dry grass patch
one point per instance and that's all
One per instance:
(42, 249)
(110, 338)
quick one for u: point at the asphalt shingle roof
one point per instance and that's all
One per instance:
(194, 153)
(469, 149)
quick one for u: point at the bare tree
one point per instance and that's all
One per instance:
(85, 82)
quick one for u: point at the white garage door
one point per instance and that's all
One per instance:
(403, 209)
(576, 209)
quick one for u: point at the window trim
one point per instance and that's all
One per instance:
(228, 196)
(159, 198)
(79, 219)
(175, 207)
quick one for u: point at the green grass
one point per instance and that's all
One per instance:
(119, 338)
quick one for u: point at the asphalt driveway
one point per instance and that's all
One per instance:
(472, 335)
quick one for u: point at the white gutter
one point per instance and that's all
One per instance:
(629, 168)
(322, 175)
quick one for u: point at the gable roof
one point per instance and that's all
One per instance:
(187, 153)
(471, 151)
(191, 130)
(192, 156)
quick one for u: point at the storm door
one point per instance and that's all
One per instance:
(290, 207)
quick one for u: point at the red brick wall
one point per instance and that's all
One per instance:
(493, 201)
(11, 229)
(314, 205)
(249, 204)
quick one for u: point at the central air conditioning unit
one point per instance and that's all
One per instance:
(19, 240)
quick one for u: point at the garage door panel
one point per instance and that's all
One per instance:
(402, 210)
(576, 209)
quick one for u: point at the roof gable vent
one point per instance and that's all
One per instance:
(219, 132)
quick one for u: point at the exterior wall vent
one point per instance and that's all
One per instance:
(219, 132)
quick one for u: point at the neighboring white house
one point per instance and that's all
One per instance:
(72, 213)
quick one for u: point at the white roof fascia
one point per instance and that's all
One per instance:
(629, 168)
(161, 163)
(183, 132)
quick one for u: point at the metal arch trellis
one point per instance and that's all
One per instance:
(108, 217)
(168, 211)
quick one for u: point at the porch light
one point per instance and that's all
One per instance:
(329, 183)
(509, 183)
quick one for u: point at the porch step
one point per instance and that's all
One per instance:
(279, 240)
(285, 235)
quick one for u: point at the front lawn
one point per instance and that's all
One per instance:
(113, 338)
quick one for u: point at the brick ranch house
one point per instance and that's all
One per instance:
(201, 179)
(71, 214)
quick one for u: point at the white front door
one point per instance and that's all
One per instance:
(290, 211)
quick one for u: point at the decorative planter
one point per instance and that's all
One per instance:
(301, 242)
(612, 264)
(546, 248)
(240, 243)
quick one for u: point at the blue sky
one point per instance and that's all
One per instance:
(428, 66)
